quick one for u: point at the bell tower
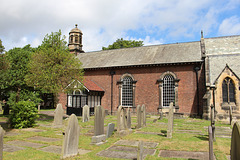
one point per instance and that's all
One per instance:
(75, 41)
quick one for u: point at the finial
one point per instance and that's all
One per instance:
(201, 33)
(76, 25)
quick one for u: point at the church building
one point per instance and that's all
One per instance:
(192, 75)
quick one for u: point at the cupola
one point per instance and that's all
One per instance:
(75, 41)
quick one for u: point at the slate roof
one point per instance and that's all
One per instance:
(222, 51)
(146, 55)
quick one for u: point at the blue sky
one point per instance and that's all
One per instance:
(103, 21)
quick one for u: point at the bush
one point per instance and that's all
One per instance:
(23, 114)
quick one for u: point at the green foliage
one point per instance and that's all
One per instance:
(25, 95)
(120, 43)
(23, 114)
(52, 66)
(1, 47)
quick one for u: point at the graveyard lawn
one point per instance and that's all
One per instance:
(188, 135)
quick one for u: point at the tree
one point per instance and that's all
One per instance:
(52, 66)
(15, 68)
(120, 43)
(1, 47)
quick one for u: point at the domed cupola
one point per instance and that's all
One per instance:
(75, 41)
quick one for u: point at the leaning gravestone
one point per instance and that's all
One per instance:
(71, 138)
(143, 109)
(170, 121)
(58, 116)
(85, 115)
(210, 143)
(110, 129)
(139, 117)
(1, 142)
(129, 122)
(235, 142)
(99, 136)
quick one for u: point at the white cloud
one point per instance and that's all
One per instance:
(230, 26)
(102, 22)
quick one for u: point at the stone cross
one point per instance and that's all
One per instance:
(139, 117)
(140, 151)
(143, 109)
(2, 132)
(58, 116)
(85, 114)
(170, 121)
(235, 142)
(121, 119)
(71, 138)
(99, 120)
(210, 143)
(110, 129)
(129, 122)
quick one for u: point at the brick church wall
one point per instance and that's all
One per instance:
(147, 91)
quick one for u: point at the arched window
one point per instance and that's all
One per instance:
(168, 90)
(71, 39)
(127, 91)
(228, 90)
(76, 38)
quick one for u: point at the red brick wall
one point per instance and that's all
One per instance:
(147, 91)
(63, 99)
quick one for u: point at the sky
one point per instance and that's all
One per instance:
(102, 22)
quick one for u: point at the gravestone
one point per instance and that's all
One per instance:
(71, 138)
(213, 122)
(139, 117)
(39, 107)
(230, 114)
(58, 116)
(85, 114)
(235, 142)
(121, 119)
(129, 122)
(2, 132)
(143, 115)
(110, 129)
(99, 136)
(210, 141)
(170, 121)
(140, 151)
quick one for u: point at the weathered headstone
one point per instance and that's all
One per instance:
(235, 142)
(230, 114)
(140, 151)
(139, 117)
(71, 138)
(129, 122)
(2, 132)
(99, 135)
(110, 129)
(85, 113)
(213, 122)
(39, 107)
(58, 116)
(210, 143)
(170, 121)
(143, 115)
(121, 119)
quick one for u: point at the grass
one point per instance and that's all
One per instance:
(179, 141)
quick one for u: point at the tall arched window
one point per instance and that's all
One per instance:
(76, 39)
(228, 90)
(168, 90)
(127, 91)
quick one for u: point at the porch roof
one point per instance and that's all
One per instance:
(91, 85)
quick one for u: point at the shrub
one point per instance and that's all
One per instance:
(23, 114)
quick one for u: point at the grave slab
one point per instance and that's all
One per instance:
(184, 154)
(152, 133)
(44, 139)
(7, 134)
(131, 149)
(58, 150)
(25, 144)
(135, 143)
(11, 148)
(32, 130)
